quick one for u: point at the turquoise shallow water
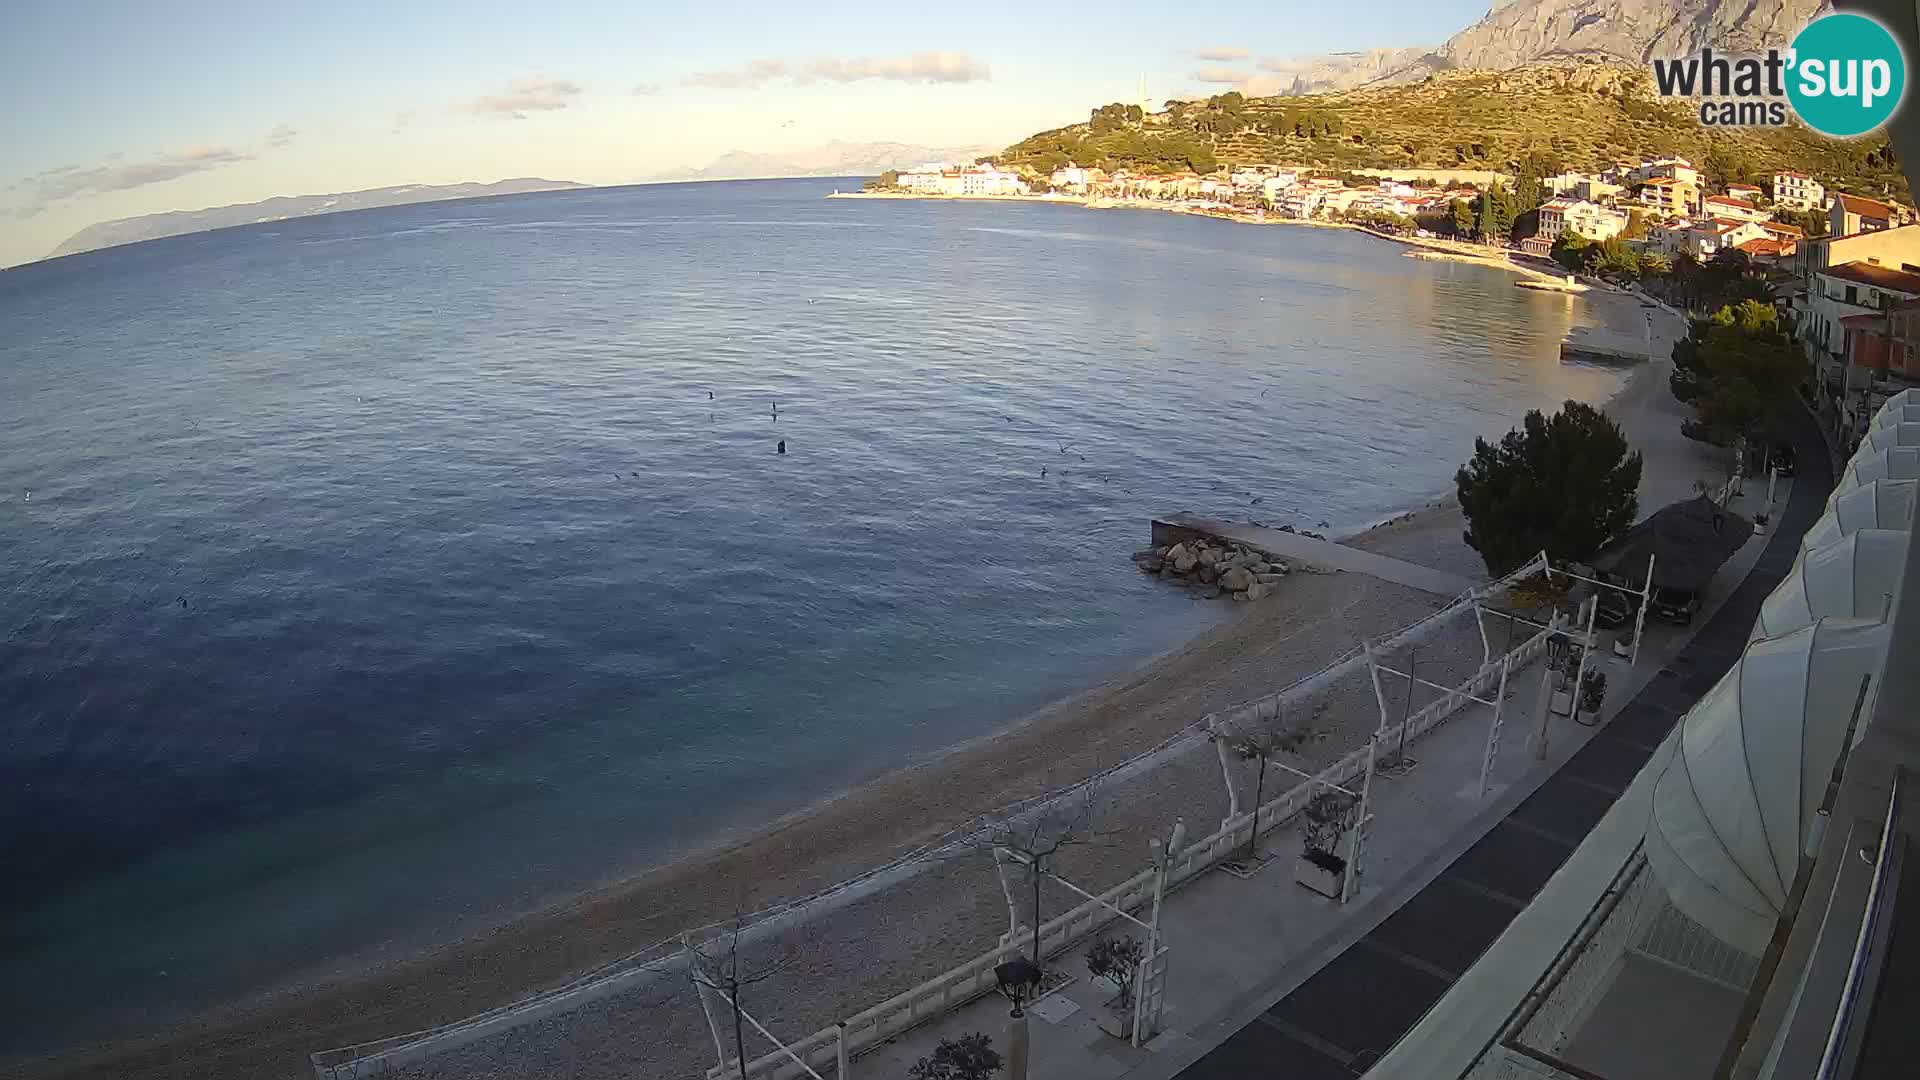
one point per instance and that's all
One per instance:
(388, 573)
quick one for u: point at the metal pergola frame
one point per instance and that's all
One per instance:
(695, 963)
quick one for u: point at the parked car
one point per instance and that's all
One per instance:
(1781, 457)
(1673, 605)
(1617, 609)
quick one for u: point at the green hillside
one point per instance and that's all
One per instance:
(1580, 116)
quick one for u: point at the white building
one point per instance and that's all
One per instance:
(1705, 237)
(1670, 197)
(1798, 191)
(1727, 206)
(1576, 215)
(1669, 168)
(1301, 201)
(1072, 176)
(1274, 186)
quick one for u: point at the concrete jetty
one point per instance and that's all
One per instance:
(1323, 554)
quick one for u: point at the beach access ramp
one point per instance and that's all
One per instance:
(1324, 554)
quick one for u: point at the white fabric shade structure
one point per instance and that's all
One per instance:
(1886, 436)
(1855, 576)
(1905, 399)
(1883, 504)
(1893, 463)
(1907, 413)
(1736, 806)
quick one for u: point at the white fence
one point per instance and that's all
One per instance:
(973, 978)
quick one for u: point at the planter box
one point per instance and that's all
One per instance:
(1322, 872)
(1622, 648)
(1116, 1020)
(1562, 703)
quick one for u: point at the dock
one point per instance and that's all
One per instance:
(1592, 345)
(1324, 554)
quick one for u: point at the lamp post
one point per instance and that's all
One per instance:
(1019, 980)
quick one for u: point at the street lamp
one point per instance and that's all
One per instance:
(1019, 981)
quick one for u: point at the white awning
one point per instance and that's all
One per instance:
(1893, 463)
(1883, 504)
(1905, 399)
(1856, 576)
(1888, 435)
(1908, 413)
(1734, 810)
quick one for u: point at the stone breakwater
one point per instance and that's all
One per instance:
(1215, 567)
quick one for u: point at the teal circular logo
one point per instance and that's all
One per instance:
(1845, 75)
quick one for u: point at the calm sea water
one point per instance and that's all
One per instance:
(368, 578)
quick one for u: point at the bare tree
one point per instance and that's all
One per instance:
(1034, 837)
(717, 967)
(1262, 746)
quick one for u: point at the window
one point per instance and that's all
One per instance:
(1853, 295)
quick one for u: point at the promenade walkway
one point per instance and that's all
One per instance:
(1321, 553)
(1340, 1019)
(1266, 979)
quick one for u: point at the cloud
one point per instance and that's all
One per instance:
(281, 136)
(531, 93)
(42, 189)
(754, 73)
(1223, 52)
(646, 89)
(1219, 75)
(920, 67)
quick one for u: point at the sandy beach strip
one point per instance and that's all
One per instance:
(866, 950)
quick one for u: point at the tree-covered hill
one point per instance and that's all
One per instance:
(1583, 115)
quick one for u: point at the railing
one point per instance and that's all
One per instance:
(1546, 1018)
(1875, 926)
(975, 977)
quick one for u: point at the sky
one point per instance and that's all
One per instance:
(129, 107)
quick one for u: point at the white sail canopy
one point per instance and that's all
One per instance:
(1893, 463)
(1890, 413)
(1883, 504)
(1734, 809)
(1888, 435)
(1855, 576)
(1898, 403)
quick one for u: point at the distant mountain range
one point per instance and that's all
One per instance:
(173, 223)
(834, 159)
(1515, 33)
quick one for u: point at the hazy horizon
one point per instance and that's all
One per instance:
(212, 105)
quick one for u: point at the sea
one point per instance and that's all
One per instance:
(368, 579)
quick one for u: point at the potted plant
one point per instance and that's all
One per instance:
(969, 1057)
(1593, 692)
(1324, 824)
(1623, 642)
(1116, 961)
(1760, 523)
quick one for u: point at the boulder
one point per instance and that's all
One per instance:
(1259, 568)
(1209, 556)
(1207, 575)
(1182, 559)
(1211, 592)
(1236, 579)
(1281, 568)
(1152, 566)
(1239, 596)
(1270, 580)
(1256, 591)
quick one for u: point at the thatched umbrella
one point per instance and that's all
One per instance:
(1688, 541)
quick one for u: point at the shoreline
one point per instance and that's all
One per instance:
(1448, 250)
(828, 840)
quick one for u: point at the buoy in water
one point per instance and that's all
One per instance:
(782, 448)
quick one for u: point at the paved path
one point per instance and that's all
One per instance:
(1322, 553)
(1349, 1013)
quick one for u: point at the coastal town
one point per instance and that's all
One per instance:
(1842, 269)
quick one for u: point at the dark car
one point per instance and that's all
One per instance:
(1781, 457)
(1616, 609)
(1673, 605)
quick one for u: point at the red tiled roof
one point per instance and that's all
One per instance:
(1778, 229)
(1762, 246)
(1728, 200)
(1879, 277)
(1854, 204)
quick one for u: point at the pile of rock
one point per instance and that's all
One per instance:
(1215, 566)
